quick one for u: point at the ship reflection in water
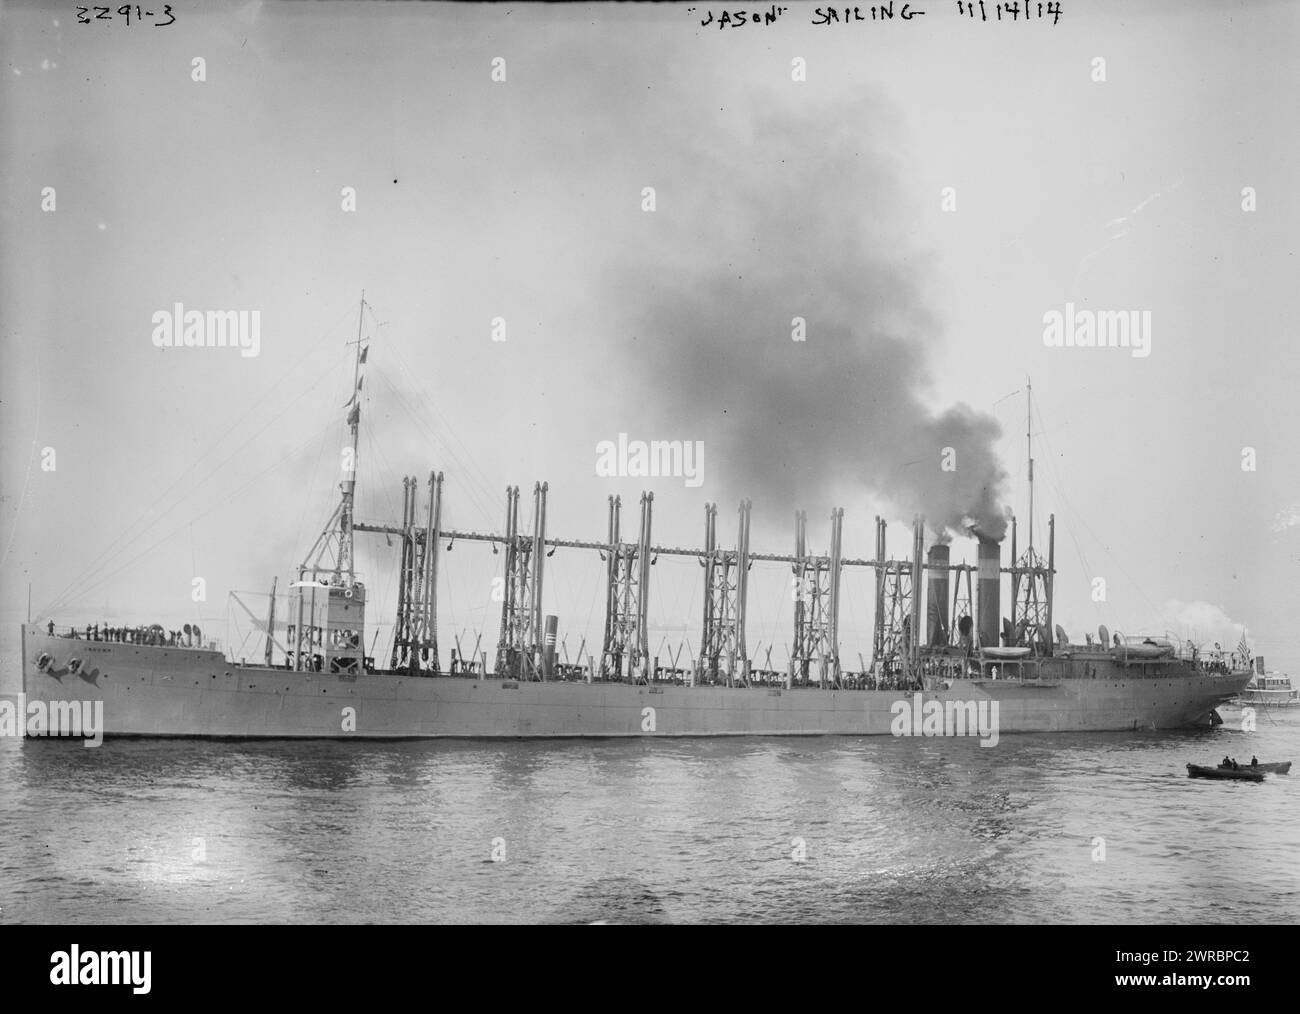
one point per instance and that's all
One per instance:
(1089, 827)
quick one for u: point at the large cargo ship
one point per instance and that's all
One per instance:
(951, 668)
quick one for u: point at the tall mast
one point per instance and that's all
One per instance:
(270, 623)
(343, 570)
(1029, 443)
(1031, 579)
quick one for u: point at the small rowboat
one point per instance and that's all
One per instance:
(1238, 774)
(1277, 767)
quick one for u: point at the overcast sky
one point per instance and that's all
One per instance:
(774, 198)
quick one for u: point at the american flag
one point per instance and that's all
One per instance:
(1242, 648)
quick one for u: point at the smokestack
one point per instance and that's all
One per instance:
(937, 594)
(990, 580)
(548, 647)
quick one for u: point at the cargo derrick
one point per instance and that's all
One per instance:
(913, 621)
(519, 647)
(626, 654)
(906, 639)
(415, 634)
(723, 655)
(816, 606)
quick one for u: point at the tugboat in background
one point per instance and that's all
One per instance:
(1268, 690)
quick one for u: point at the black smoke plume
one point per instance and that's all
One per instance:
(811, 221)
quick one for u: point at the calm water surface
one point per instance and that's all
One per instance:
(894, 831)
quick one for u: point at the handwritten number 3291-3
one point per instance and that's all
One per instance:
(106, 14)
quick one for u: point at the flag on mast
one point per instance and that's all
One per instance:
(1242, 648)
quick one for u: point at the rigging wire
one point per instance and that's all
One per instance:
(310, 498)
(389, 476)
(1077, 517)
(444, 435)
(80, 583)
(475, 494)
(87, 588)
(111, 550)
(22, 499)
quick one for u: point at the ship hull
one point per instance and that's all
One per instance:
(159, 691)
